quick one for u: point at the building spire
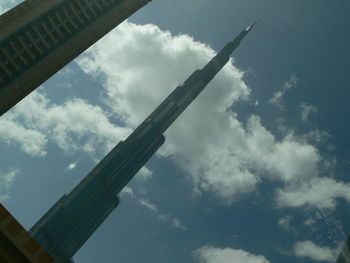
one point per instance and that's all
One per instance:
(249, 28)
(219, 61)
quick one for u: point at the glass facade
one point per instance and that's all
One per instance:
(76, 216)
(38, 39)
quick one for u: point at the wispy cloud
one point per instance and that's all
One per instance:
(306, 111)
(6, 182)
(285, 223)
(127, 191)
(327, 222)
(153, 208)
(175, 222)
(277, 97)
(317, 136)
(317, 192)
(144, 174)
(72, 166)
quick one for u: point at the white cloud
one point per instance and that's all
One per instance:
(233, 163)
(30, 141)
(148, 205)
(140, 65)
(175, 222)
(144, 174)
(74, 126)
(277, 97)
(285, 223)
(308, 249)
(210, 254)
(325, 220)
(306, 111)
(317, 136)
(127, 191)
(318, 192)
(72, 166)
(6, 182)
(287, 160)
(150, 64)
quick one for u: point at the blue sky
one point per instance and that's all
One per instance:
(256, 170)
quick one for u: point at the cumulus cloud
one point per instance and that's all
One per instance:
(6, 182)
(308, 249)
(210, 254)
(74, 126)
(230, 166)
(277, 97)
(222, 155)
(318, 192)
(29, 140)
(140, 65)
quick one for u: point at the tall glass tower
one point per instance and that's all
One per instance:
(39, 37)
(75, 217)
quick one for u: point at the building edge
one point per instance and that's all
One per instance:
(27, 82)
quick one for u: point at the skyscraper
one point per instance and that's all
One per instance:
(344, 252)
(39, 37)
(73, 218)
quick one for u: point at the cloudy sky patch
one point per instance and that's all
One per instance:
(210, 254)
(256, 180)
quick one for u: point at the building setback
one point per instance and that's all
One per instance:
(39, 37)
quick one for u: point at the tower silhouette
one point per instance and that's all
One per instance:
(75, 217)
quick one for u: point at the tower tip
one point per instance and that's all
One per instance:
(254, 23)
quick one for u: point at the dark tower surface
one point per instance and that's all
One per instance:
(39, 37)
(74, 217)
(344, 255)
